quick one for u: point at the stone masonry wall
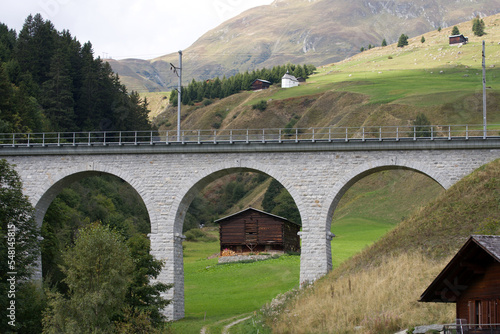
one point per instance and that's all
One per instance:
(168, 182)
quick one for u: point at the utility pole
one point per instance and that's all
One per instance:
(178, 72)
(484, 93)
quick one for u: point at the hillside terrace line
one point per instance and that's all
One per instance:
(316, 166)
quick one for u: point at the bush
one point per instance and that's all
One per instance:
(261, 105)
(197, 235)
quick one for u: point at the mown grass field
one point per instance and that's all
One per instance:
(217, 292)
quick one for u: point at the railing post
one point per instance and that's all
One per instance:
(120, 138)
(467, 132)
(151, 142)
(296, 135)
(230, 136)
(432, 133)
(449, 132)
(199, 136)
(313, 139)
(330, 135)
(380, 134)
(135, 137)
(104, 138)
(397, 133)
(28, 140)
(74, 139)
(279, 139)
(166, 138)
(414, 133)
(215, 136)
(43, 139)
(182, 136)
(89, 138)
(13, 140)
(247, 136)
(346, 134)
(363, 133)
(263, 135)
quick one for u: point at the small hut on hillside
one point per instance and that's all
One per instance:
(472, 281)
(252, 230)
(458, 39)
(258, 84)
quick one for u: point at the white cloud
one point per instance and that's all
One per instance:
(129, 28)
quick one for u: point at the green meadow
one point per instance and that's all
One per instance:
(215, 292)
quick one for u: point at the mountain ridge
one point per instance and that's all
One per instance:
(297, 31)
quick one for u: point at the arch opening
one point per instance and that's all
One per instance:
(233, 286)
(79, 199)
(372, 202)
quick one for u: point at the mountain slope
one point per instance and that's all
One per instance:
(382, 86)
(377, 290)
(299, 31)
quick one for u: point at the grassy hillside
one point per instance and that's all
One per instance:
(315, 32)
(381, 86)
(379, 288)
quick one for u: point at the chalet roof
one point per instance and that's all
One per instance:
(253, 209)
(289, 77)
(478, 252)
(457, 35)
(262, 80)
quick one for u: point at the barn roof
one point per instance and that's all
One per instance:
(262, 80)
(253, 209)
(478, 252)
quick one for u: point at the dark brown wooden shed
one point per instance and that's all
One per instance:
(260, 84)
(458, 39)
(252, 230)
(472, 281)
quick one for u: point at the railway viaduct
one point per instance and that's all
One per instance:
(167, 176)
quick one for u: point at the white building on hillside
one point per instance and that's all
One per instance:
(288, 81)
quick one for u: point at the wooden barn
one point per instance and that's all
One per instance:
(472, 281)
(252, 230)
(258, 84)
(458, 39)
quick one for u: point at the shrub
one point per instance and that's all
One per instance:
(261, 105)
(197, 235)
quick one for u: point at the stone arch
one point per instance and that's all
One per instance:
(44, 196)
(357, 174)
(175, 274)
(197, 183)
(52, 187)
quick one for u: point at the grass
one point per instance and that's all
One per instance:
(369, 209)
(214, 292)
(378, 289)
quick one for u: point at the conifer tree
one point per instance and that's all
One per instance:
(403, 41)
(478, 27)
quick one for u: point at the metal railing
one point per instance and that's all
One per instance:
(272, 135)
(471, 329)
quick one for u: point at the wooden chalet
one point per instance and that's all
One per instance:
(458, 39)
(258, 84)
(472, 281)
(252, 230)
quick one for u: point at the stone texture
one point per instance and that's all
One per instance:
(167, 183)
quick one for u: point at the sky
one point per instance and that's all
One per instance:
(120, 29)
